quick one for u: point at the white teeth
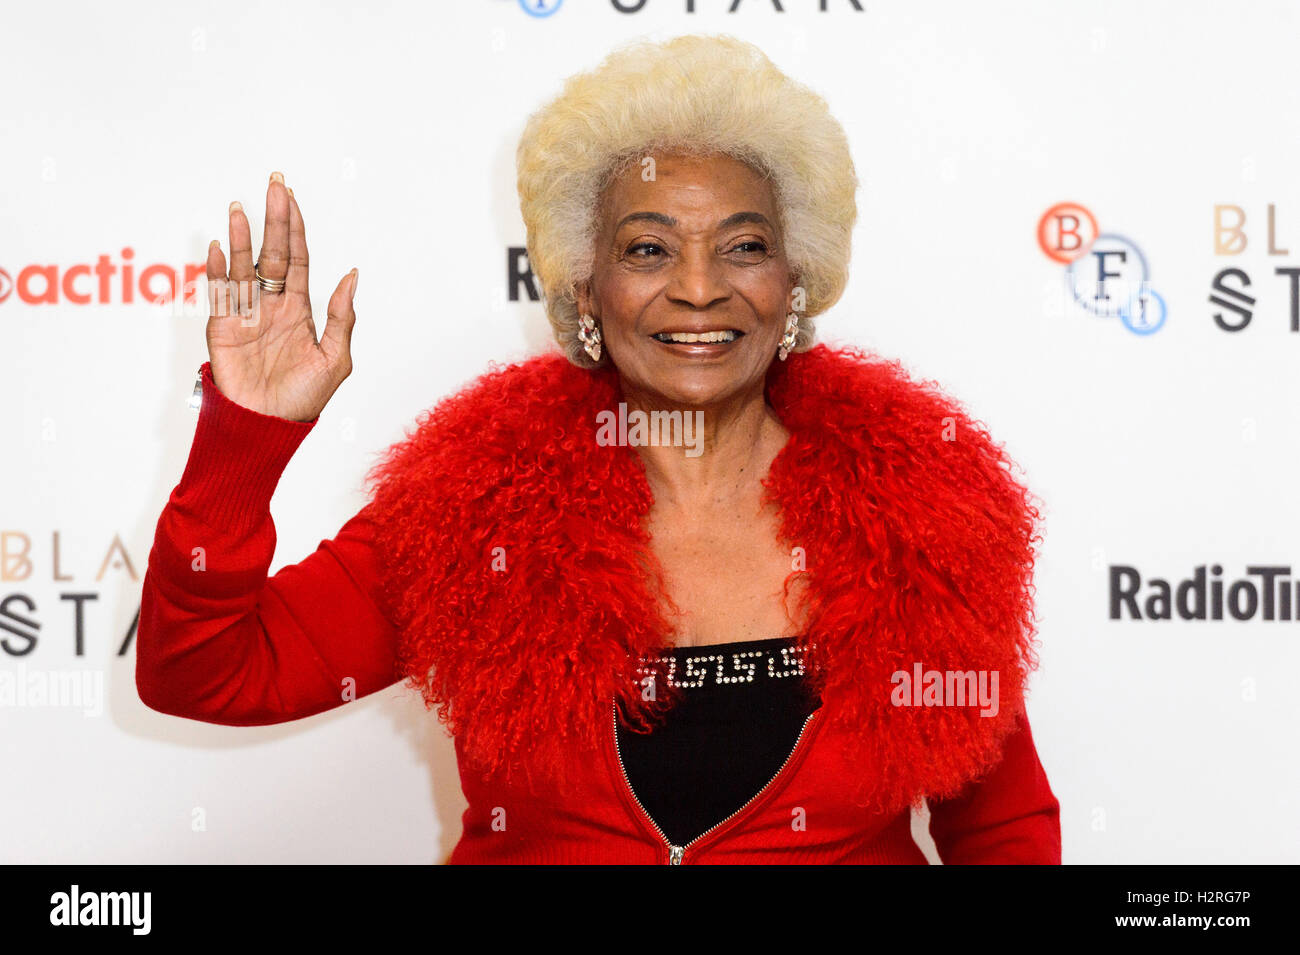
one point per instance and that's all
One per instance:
(706, 337)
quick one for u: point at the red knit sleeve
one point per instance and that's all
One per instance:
(218, 639)
(1010, 817)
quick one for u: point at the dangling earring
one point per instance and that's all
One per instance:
(589, 335)
(790, 337)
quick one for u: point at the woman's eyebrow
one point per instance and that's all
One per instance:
(739, 217)
(658, 217)
(735, 218)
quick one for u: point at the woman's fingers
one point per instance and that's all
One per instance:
(273, 260)
(336, 342)
(297, 277)
(241, 259)
(219, 304)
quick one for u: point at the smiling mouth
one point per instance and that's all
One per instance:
(720, 337)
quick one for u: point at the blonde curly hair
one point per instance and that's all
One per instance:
(695, 94)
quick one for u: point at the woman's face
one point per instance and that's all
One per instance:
(689, 246)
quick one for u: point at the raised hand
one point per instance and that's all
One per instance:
(262, 344)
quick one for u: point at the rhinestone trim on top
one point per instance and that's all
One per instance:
(692, 672)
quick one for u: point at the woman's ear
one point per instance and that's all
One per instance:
(582, 296)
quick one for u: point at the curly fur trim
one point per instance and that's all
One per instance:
(918, 541)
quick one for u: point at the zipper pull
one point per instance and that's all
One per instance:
(675, 855)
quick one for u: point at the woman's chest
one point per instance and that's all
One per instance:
(726, 573)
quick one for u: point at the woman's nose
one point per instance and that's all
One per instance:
(698, 278)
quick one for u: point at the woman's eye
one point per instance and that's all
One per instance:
(635, 250)
(752, 250)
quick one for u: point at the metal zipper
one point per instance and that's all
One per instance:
(675, 853)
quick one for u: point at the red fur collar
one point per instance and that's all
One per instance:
(918, 543)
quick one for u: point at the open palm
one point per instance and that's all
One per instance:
(262, 344)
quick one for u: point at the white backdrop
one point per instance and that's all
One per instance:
(396, 123)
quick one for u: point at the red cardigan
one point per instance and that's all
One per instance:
(222, 642)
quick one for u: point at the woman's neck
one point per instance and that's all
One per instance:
(731, 451)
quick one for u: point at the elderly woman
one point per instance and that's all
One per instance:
(694, 590)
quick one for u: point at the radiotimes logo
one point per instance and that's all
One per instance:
(1105, 272)
(1273, 594)
(108, 280)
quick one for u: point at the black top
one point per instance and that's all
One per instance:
(740, 712)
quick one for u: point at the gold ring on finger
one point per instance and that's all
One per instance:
(269, 285)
